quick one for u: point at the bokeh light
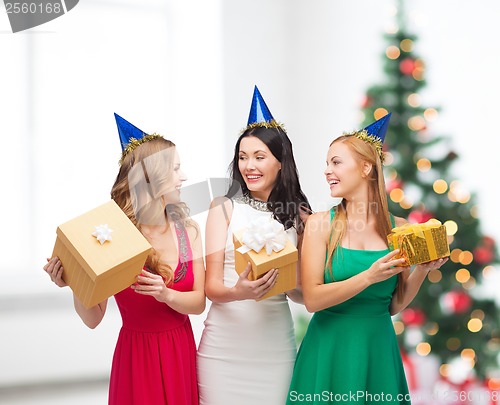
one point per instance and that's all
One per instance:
(397, 195)
(416, 123)
(432, 329)
(466, 258)
(462, 275)
(435, 276)
(392, 52)
(475, 325)
(431, 114)
(413, 100)
(440, 186)
(455, 255)
(379, 113)
(424, 165)
(423, 349)
(406, 45)
(399, 327)
(452, 229)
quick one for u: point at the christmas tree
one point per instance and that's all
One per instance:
(448, 317)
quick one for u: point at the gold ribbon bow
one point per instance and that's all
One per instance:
(399, 233)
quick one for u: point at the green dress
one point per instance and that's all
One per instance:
(350, 352)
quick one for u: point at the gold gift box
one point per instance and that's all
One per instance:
(96, 271)
(420, 243)
(285, 261)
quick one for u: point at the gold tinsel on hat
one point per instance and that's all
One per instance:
(371, 139)
(134, 143)
(265, 124)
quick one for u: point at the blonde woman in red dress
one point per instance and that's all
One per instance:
(155, 355)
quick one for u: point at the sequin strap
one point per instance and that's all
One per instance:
(185, 255)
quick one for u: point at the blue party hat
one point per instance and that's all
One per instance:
(259, 112)
(127, 131)
(379, 127)
(130, 136)
(374, 134)
(260, 116)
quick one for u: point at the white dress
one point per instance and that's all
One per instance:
(247, 350)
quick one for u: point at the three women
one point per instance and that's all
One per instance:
(247, 350)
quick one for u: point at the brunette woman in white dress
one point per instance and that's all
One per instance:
(247, 349)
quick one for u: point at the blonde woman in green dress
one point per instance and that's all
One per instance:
(350, 352)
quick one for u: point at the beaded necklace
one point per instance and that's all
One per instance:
(252, 202)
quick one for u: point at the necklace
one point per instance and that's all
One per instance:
(252, 202)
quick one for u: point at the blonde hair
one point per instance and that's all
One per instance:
(377, 197)
(142, 180)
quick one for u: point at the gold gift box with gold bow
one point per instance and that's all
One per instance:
(420, 243)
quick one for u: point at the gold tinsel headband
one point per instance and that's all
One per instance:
(373, 140)
(265, 124)
(134, 143)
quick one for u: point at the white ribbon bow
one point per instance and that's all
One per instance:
(102, 233)
(263, 232)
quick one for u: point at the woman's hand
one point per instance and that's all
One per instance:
(433, 265)
(152, 284)
(246, 289)
(55, 270)
(385, 267)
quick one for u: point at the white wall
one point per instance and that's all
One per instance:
(158, 65)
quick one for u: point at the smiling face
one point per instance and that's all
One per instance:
(176, 178)
(345, 174)
(258, 167)
(151, 178)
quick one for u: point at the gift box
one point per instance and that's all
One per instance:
(420, 243)
(267, 255)
(101, 251)
(421, 372)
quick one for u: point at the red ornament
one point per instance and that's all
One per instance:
(413, 317)
(392, 184)
(483, 255)
(488, 241)
(366, 102)
(407, 66)
(419, 216)
(455, 302)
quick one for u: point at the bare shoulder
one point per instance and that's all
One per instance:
(400, 221)
(320, 216)
(221, 211)
(319, 222)
(223, 202)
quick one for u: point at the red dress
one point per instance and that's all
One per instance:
(155, 356)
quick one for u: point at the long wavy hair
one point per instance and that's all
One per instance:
(286, 199)
(143, 178)
(377, 198)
